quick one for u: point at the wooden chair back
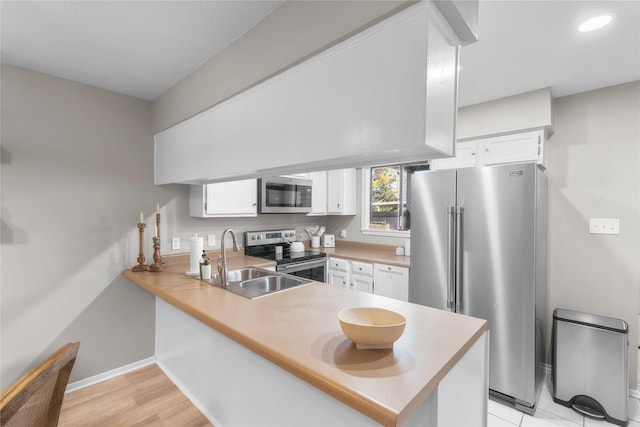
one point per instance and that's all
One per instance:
(35, 399)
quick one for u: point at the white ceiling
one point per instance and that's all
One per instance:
(139, 48)
(528, 45)
(142, 48)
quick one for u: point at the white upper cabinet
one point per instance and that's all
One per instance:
(318, 193)
(224, 199)
(333, 192)
(386, 94)
(466, 157)
(341, 192)
(513, 148)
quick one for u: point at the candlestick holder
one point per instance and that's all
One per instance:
(141, 265)
(156, 266)
(161, 262)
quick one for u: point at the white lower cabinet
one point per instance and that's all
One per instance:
(338, 272)
(362, 276)
(380, 279)
(391, 281)
(224, 199)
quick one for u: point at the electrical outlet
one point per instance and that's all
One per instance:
(211, 240)
(604, 225)
(175, 243)
(343, 233)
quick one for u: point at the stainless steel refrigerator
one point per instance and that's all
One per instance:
(478, 247)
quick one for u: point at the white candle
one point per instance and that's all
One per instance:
(141, 217)
(195, 253)
(156, 231)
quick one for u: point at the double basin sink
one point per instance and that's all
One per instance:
(254, 282)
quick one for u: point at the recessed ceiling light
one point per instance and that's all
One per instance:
(594, 23)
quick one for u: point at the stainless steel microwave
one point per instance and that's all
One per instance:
(281, 194)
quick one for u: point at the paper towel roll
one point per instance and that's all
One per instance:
(407, 247)
(196, 245)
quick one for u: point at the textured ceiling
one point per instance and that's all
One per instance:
(142, 48)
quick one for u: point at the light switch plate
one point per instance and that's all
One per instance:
(604, 225)
(175, 243)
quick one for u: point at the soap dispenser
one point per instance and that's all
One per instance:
(205, 267)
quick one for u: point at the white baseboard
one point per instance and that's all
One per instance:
(75, 386)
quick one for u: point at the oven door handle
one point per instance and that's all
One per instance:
(298, 266)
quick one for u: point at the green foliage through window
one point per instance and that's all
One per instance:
(385, 182)
(389, 196)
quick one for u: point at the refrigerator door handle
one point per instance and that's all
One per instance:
(451, 254)
(458, 259)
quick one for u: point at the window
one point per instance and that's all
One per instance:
(386, 191)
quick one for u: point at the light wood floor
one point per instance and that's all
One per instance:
(145, 397)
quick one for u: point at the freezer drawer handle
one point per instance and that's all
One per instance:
(451, 211)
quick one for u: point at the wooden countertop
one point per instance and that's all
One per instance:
(298, 330)
(366, 252)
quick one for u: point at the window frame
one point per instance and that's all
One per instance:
(365, 213)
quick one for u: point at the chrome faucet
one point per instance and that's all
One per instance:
(222, 258)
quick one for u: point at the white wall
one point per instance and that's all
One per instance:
(530, 110)
(77, 168)
(594, 172)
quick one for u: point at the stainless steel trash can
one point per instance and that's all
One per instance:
(590, 358)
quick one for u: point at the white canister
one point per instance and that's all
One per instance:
(296, 247)
(196, 245)
(315, 241)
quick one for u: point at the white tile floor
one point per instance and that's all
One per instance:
(550, 414)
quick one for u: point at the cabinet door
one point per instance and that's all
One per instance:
(362, 268)
(391, 281)
(362, 283)
(339, 278)
(522, 147)
(318, 193)
(226, 199)
(466, 157)
(341, 192)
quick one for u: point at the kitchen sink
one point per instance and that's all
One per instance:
(255, 282)
(243, 274)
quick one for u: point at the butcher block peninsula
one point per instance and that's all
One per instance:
(282, 359)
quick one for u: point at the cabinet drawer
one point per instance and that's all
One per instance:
(362, 268)
(339, 264)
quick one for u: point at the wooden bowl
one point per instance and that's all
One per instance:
(371, 327)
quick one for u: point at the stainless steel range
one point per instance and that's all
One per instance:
(275, 245)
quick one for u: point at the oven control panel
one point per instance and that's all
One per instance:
(269, 237)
